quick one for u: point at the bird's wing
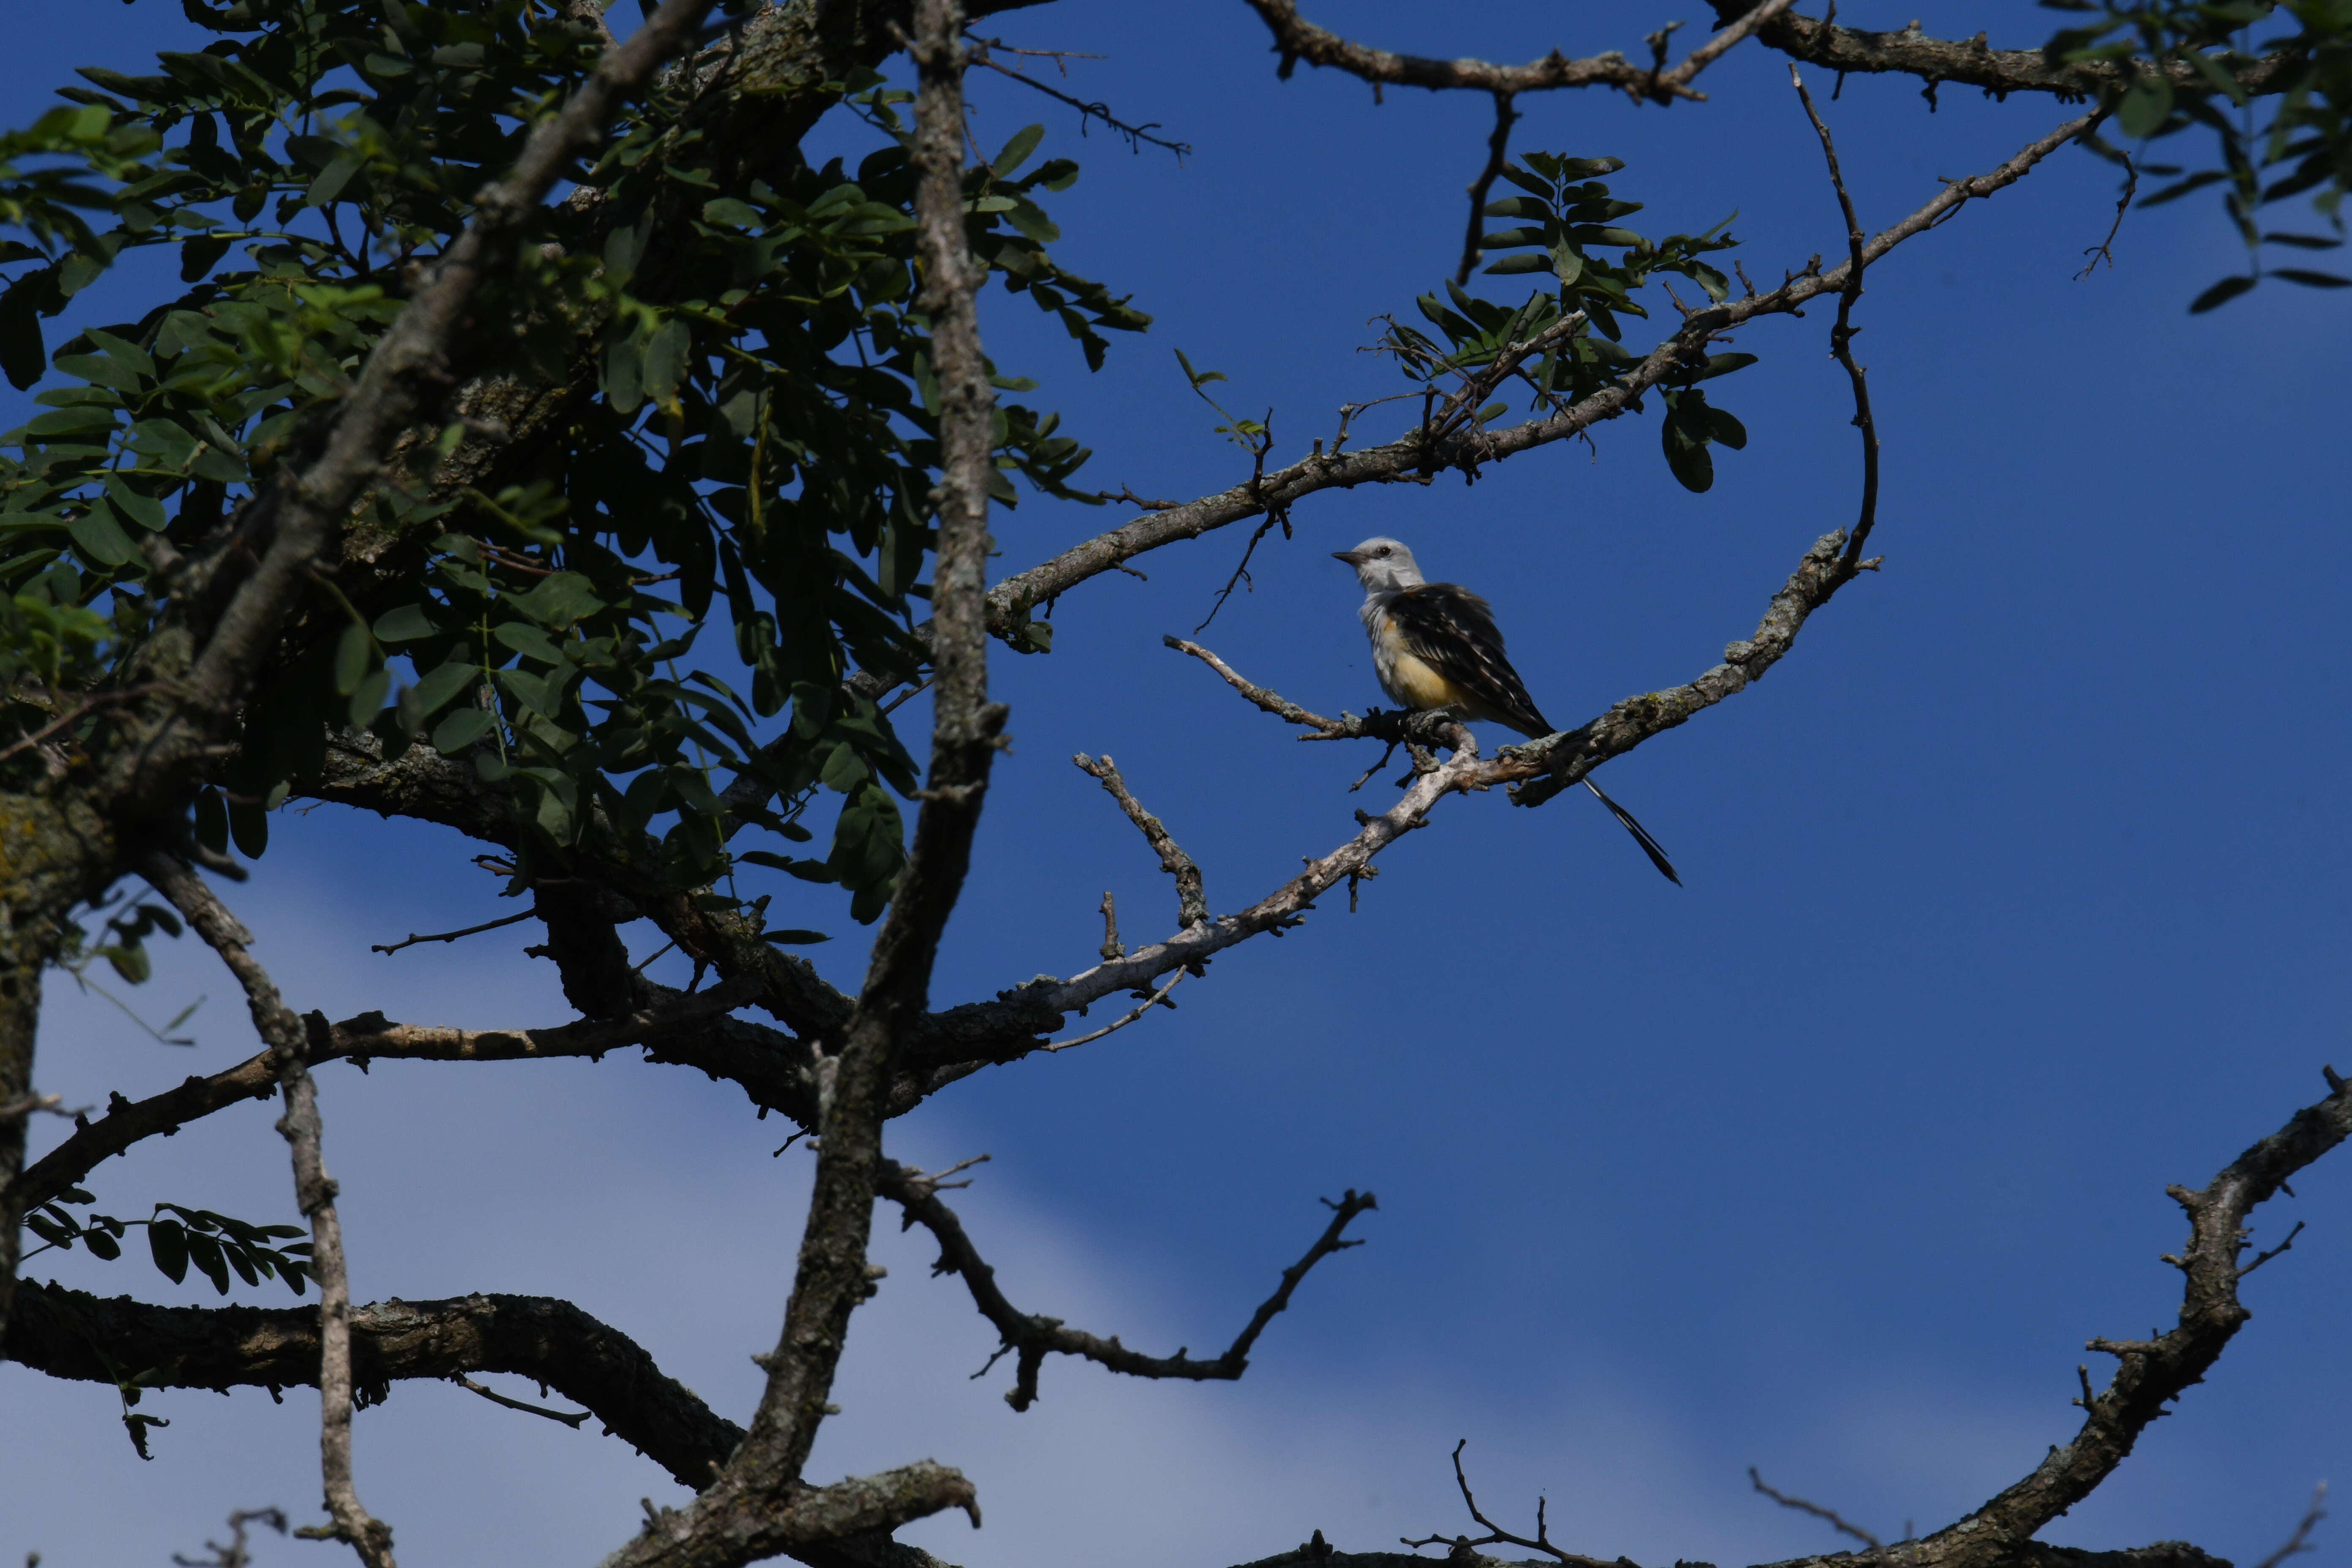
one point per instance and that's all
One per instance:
(1453, 631)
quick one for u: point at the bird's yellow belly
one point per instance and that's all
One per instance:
(1408, 681)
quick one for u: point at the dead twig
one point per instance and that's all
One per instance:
(570, 1418)
(1843, 1526)
(412, 939)
(1842, 337)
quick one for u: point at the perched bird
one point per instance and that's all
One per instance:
(1435, 644)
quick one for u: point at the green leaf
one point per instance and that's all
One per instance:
(404, 622)
(248, 826)
(2311, 280)
(100, 538)
(367, 698)
(2145, 104)
(353, 655)
(144, 511)
(665, 360)
(205, 1252)
(1724, 364)
(167, 1243)
(791, 938)
(461, 729)
(559, 600)
(1726, 430)
(201, 255)
(212, 822)
(1016, 152)
(1528, 261)
(430, 695)
(22, 358)
(2221, 293)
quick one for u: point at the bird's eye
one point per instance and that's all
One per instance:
(1384, 550)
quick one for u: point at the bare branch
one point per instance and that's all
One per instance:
(413, 939)
(570, 1418)
(72, 1334)
(1498, 146)
(1413, 457)
(314, 1193)
(1135, 135)
(369, 1036)
(1296, 39)
(1496, 1535)
(1842, 334)
(1972, 62)
(2300, 1542)
(1191, 903)
(1842, 1526)
(1031, 1339)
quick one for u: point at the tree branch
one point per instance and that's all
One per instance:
(1842, 334)
(314, 1193)
(760, 1504)
(1191, 903)
(1031, 1338)
(371, 1035)
(1296, 39)
(1971, 62)
(72, 1334)
(1411, 460)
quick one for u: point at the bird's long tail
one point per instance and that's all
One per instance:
(1650, 847)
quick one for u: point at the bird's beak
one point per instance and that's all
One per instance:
(1353, 557)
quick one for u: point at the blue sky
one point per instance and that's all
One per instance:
(2014, 894)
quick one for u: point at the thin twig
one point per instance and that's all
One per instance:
(1149, 1003)
(412, 939)
(1135, 134)
(2105, 250)
(1842, 335)
(1273, 702)
(1496, 1534)
(1498, 145)
(2300, 1542)
(570, 1418)
(1843, 1526)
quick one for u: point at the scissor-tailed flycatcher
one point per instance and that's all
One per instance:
(1435, 644)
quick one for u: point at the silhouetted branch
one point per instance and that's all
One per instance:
(71, 1334)
(1842, 334)
(1031, 1339)
(1843, 1526)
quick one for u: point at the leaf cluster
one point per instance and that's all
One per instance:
(2294, 141)
(1569, 227)
(177, 1236)
(756, 435)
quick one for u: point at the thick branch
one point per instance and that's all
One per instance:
(760, 1504)
(1031, 1338)
(1971, 62)
(70, 1335)
(1296, 38)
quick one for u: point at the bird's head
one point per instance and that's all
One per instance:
(1382, 565)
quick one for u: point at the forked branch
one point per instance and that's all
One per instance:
(314, 1193)
(1029, 1338)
